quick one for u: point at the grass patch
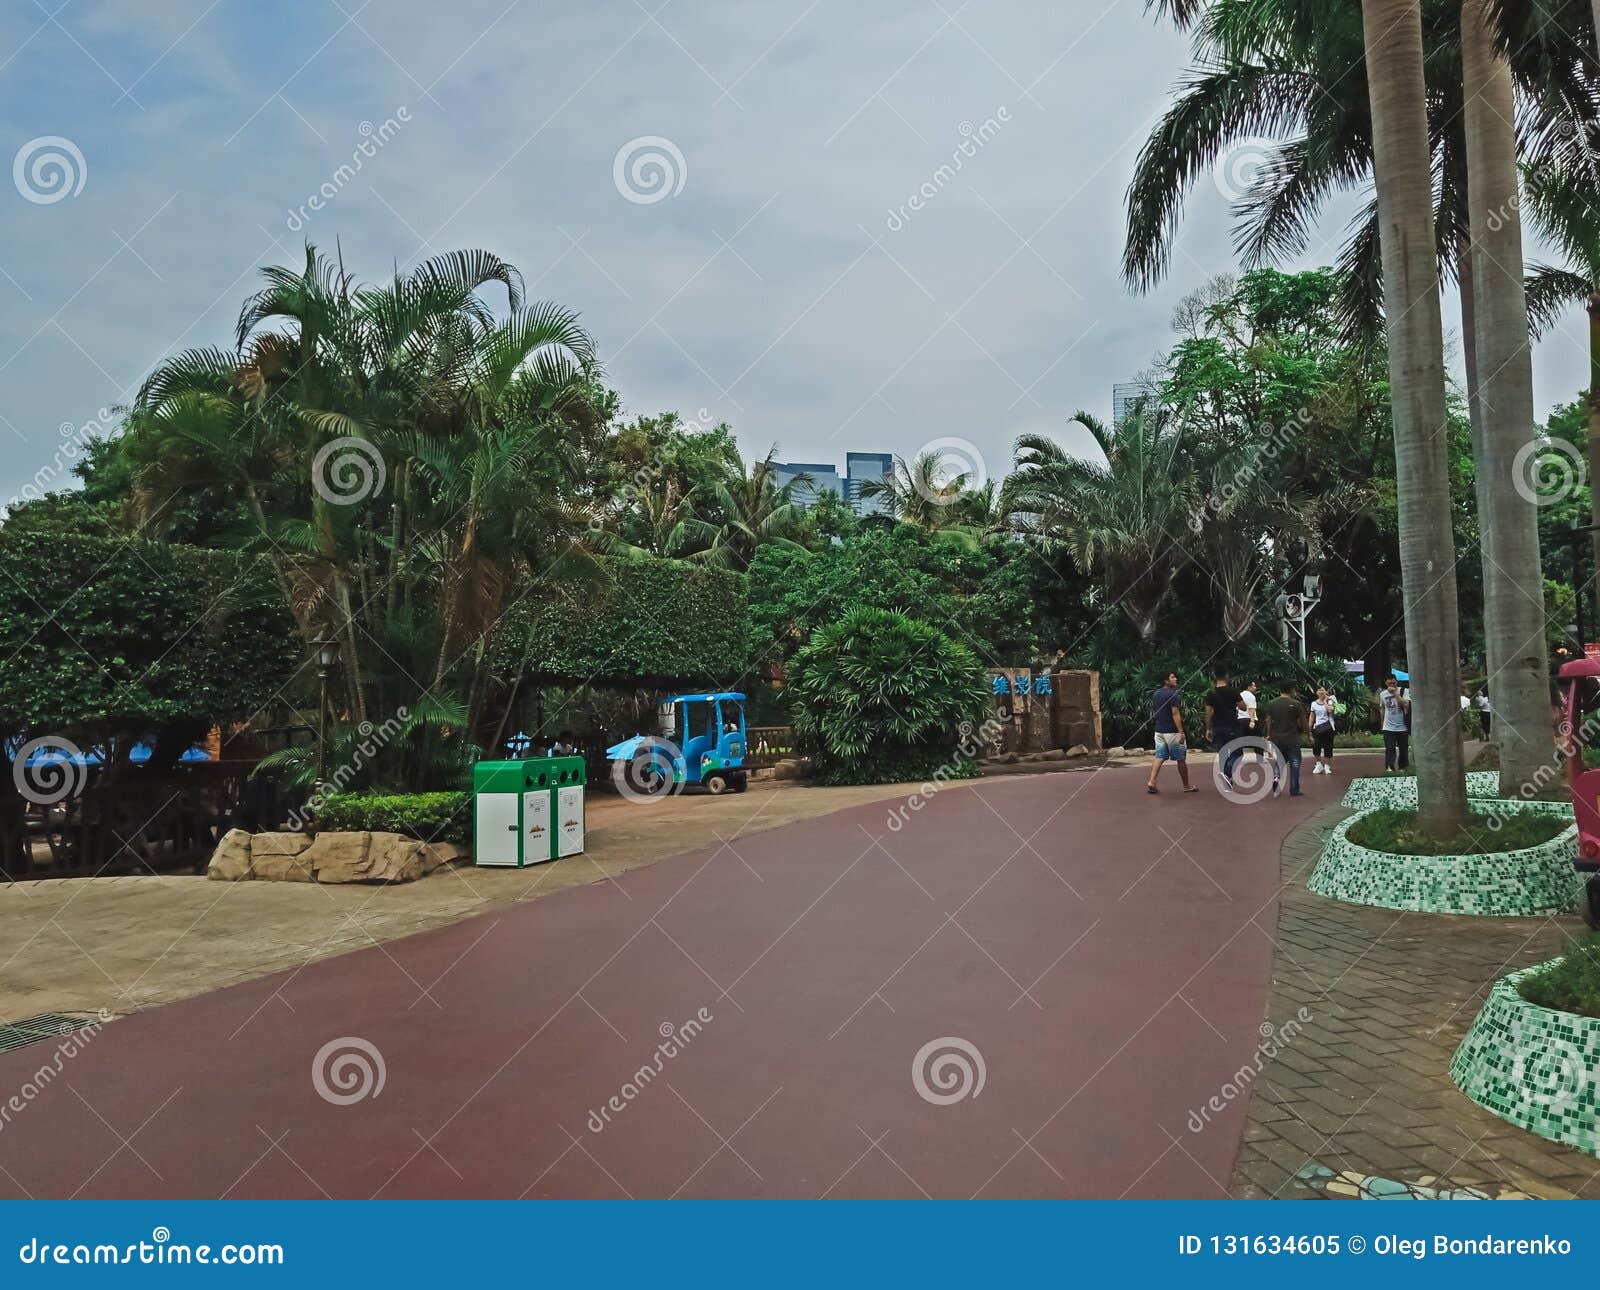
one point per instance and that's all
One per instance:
(1570, 984)
(1399, 831)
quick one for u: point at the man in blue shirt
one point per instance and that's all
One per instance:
(1167, 719)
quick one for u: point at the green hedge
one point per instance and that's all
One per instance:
(101, 634)
(433, 817)
(646, 623)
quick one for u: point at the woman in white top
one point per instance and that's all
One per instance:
(1323, 709)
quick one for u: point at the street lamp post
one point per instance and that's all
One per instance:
(327, 650)
(1296, 608)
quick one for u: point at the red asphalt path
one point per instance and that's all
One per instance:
(1106, 954)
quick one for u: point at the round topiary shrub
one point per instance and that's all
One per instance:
(879, 697)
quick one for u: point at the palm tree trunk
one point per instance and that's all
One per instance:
(1513, 581)
(1393, 32)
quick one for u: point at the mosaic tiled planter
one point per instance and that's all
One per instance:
(1532, 1066)
(1368, 791)
(1535, 880)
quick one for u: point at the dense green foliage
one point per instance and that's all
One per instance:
(1570, 984)
(1400, 832)
(103, 636)
(985, 595)
(653, 623)
(432, 817)
(877, 695)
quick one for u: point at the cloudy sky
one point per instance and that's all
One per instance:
(721, 190)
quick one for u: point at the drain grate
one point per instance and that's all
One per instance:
(30, 1030)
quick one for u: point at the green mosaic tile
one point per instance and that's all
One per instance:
(1536, 1068)
(1366, 792)
(1535, 880)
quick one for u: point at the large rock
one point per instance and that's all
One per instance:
(329, 857)
(439, 855)
(378, 857)
(281, 857)
(230, 862)
(341, 857)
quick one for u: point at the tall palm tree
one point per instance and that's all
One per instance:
(1563, 206)
(1514, 620)
(1127, 520)
(1394, 62)
(464, 415)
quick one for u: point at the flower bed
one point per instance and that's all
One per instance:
(1534, 880)
(1537, 1068)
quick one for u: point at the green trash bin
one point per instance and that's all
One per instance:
(527, 812)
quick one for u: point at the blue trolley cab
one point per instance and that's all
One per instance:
(701, 741)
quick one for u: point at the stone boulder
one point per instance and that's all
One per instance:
(280, 857)
(378, 857)
(230, 862)
(1078, 750)
(329, 857)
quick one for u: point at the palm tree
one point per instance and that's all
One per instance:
(1563, 206)
(753, 509)
(1127, 520)
(1394, 62)
(1503, 424)
(464, 418)
(924, 491)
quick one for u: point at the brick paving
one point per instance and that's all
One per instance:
(1355, 1094)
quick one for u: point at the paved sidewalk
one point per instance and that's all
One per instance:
(1358, 1098)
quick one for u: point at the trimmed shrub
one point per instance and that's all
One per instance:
(102, 635)
(432, 817)
(878, 697)
(645, 623)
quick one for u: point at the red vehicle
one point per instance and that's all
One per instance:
(1580, 695)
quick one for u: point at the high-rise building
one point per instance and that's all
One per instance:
(1124, 394)
(824, 477)
(865, 467)
(821, 477)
